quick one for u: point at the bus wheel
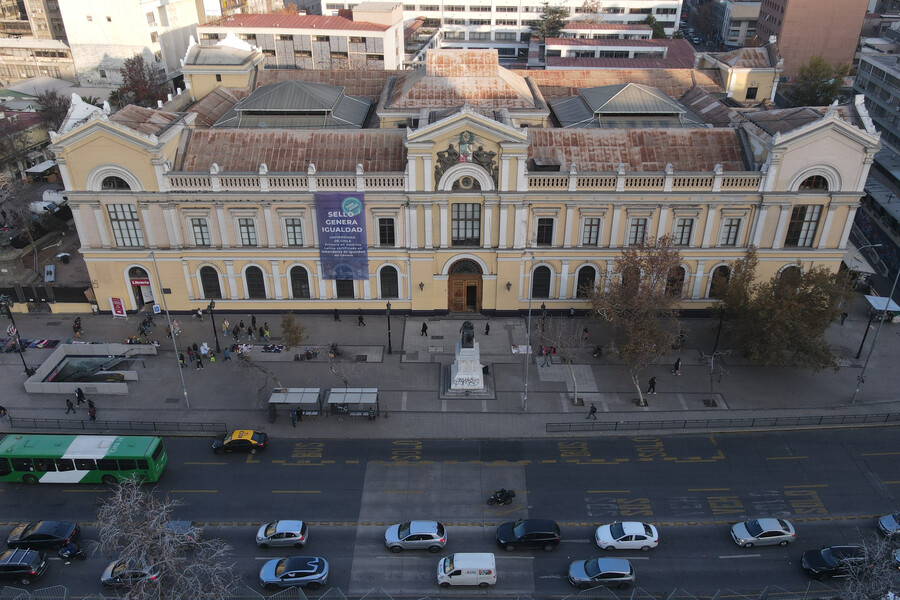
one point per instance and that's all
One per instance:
(109, 480)
(29, 479)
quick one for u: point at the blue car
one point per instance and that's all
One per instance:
(293, 571)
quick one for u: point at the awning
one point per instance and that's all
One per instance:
(41, 167)
(855, 261)
(878, 303)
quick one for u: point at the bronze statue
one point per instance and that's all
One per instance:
(468, 335)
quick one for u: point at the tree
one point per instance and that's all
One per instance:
(591, 12)
(876, 576)
(796, 307)
(704, 20)
(659, 32)
(15, 141)
(54, 107)
(142, 83)
(292, 331)
(133, 526)
(553, 19)
(640, 304)
(16, 213)
(566, 336)
(817, 83)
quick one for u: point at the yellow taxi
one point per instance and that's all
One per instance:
(240, 440)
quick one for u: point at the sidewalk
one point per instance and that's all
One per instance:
(409, 379)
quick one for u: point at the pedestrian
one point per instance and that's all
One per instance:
(360, 322)
(226, 326)
(4, 414)
(241, 327)
(235, 332)
(91, 404)
(266, 330)
(190, 354)
(299, 412)
(253, 322)
(251, 334)
(425, 329)
(584, 333)
(262, 334)
(70, 406)
(92, 413)
(76, 327)
(168, 331)
(79, 396)
(204, 350)
(144, 323)
(181, 360)
(337, 317)
(227, 353)
(572, 314)
(199, 362)
(293, 418)
(487, 329)
(200, 314)
(844, 316)
(652, 388)
(676, 370)
(546, 352)
(592, 413)
(196, 349)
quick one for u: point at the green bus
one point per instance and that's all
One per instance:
(108, 459)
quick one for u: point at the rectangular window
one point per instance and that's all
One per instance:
(126, 225)
(505, 36)
(357, 40)
(285, 38)
(683, 230)
(344, 288)
(201, 232)
(802, 228)
(480, 8)
(479, 35)
(320, 38)
(730, 229)
(751, 93)
(154, 37)
(248, 232)
(466, 224)
(507, 22)
(591, 234)
(386, 232)
(294, 229)
(544, 232)
(505, 9)
(151, 18)
(637, 232)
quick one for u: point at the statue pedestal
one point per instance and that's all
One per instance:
(466, 372)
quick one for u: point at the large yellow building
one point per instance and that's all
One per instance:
(478, 187)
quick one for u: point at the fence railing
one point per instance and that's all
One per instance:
(736, 423)
(137, 426)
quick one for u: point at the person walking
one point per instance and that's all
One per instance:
(293, 418)
(168, 331)
(92, 413)
(360, 322)
(337, 317)
(199, 314)
(235, 332)
(584, 333)
(227, 353)
(251, 334)
(676, 370)
(253, 322)
(652, 388)
(226, 326)
(199, 362)
(70, 407)
(572, 314)
(241, 327)
(425, 329)
(181, 360)
(266, 330)
(262, 334)
(844, 316)
(546, 352)
(592, 413)
(4, 414)
(76, 327)
(487, 329)
(190, 352)
(79, 396)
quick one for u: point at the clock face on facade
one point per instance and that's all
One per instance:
(466, 182)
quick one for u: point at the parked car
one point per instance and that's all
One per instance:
(307, 571)
(763, 532)
(282, 533)
(529, 533)
(188, 532)
(606, 572)
(22, 566)
(889, 525)
(240, 440)
(416, 535)
(120, 574)
(40, 535)
(627, 535)
(832, 561)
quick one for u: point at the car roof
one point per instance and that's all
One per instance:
(242, 434)
(632, 527)
(769, 523)
(848, 551)
(302, 563)
(615, 565)
(532, 525)
(281, 526)
(423, 527)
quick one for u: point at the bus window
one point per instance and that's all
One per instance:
(22, 464)
(5, 469)
(107, 464)
(126, 464)
(158, 451)
(64, 464)
(44, 464)
(143, 465)
(85, 464)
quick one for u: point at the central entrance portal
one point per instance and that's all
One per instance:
(465, 286)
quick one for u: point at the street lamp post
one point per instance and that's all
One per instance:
(543, 316)
(6, 303)
(871, 315)
(390, 349)
(187, 402)
(212, 305)
(527, 338)
(861, 378)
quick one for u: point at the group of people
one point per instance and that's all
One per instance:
(81, 399)
(199, 354)
(257, 334)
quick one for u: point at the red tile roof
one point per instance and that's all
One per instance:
(148, 121)
(672, 82)
(212, 106)
(279, 21)
(609, 26)
(368, 84)
(15, 120)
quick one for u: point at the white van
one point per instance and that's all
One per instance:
(467, 568)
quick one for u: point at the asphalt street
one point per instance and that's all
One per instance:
(830, 484)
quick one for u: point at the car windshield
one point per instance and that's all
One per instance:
(448, 564)
(591, 568)
(440, 530)
(753, 528)
(279, 568)
(828, 556)
(403, 531)
(616, 530)
(647, 530)
(270, 529)
(119, 568)
(519, 529)
(32, 527)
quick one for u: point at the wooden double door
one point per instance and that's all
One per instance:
(465, 292)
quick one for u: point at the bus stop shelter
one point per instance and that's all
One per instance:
(877, 305)
(307, 400)
(359, 402)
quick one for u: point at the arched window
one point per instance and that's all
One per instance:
(814, 183)
(209, 280)
(675, 282)
(256, 283)
(719, 283)
(585, 282)
(300, 283)
(540, 282)
(114, 184)
(789, 277)
(390, 288)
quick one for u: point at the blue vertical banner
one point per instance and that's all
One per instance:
(341, 219)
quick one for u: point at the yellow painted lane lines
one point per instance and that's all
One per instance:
(296, 491)
(880, 454)
(808, 485)
(709, 489)
(891, 482)
(194, 491)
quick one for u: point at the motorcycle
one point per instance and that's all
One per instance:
(598, 351)
(72, 552)
(501, 497)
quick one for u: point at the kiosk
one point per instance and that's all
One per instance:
(357, 402)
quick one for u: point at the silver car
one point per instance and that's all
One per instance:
(763, 532)
(294, 571)
(282, 533)
(416, 535)
(889, 525)
(605, 572)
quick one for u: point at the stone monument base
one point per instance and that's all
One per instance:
(446, 393)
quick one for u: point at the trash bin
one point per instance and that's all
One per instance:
(63, 257)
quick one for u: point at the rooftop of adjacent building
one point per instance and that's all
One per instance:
(284, 22)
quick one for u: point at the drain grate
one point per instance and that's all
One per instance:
(710, 403)
(361, 358)
(437, 337)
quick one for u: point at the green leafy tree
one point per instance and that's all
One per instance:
(54, 107)
(817, 83)
(553, 19)
(796, 307)
(659, 32)
(640, 302)
(142, 83)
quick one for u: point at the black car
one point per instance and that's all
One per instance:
(529, 533)
(23, 566)
(40, 535)
(832, 561)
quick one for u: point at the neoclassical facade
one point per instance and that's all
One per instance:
(475, 196)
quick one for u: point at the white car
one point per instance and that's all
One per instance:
(627, 535)
(283, 533)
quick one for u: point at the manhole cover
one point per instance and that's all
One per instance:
(53, 323)
(361, 358)
(710, 403)
(173, 400)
